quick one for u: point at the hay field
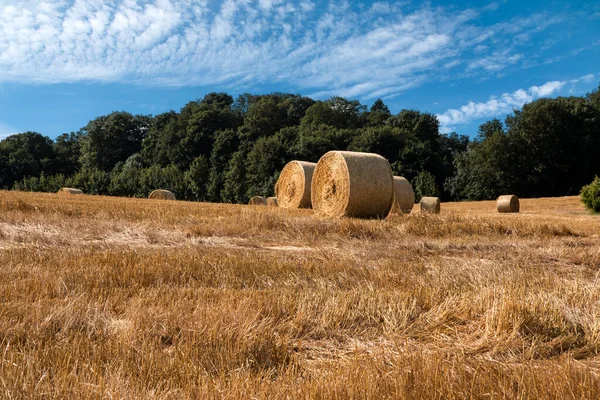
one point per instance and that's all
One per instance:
(134, 298)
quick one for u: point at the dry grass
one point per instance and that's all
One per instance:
(127, 298)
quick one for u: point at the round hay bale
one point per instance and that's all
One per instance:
(352, 184)
(69, 191)
(272, 201)
(294, 184)
(508, 204)
(430, 205)
(404, 196)
(160, 194)
(258, 201)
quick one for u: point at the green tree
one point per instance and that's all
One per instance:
(112, 138)
(424, 185)
(488, 168)
(561, 138)
(378, 114)
(25, 155)
(67, 150)
(264, 162)
(94, 181)
(162, 138)
(336, 112)
(234, 179)
(195, 180)
(126, 178)
(226, 143)
(384, 140)
(168, 178)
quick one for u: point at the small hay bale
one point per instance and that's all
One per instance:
(272, 201)
(294, 184)
(69, 191)
(258, 201)
(430, 205)
(352, 184)
(160, 194)
(508, 204)
(404, 196)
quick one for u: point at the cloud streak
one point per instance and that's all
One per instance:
(500, 105)
(296, 44)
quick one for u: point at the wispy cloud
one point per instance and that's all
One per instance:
(498, 106)
(297, 44)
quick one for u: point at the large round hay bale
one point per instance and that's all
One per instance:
(508, 204)
(69, 191)
(404, 196)
(430, 205)
(258, 201)
(160, 194)
(294, 184)
(352, 184)
(272, 201)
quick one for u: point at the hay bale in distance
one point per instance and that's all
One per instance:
(508, 204)
(258, 201)
(352, 184)
(430, 205)
(272, 201)
(294, 184)
(404, 196)
(69, 191)
(160, 194)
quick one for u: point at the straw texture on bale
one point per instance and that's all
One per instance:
(294, 185)
(161, 194)
(430, 205)
(258, 201)
(272, 201)
(404, 196)
(352, 184)
(69, 191)
(508, 204)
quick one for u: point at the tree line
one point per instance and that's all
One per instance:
(222, 149)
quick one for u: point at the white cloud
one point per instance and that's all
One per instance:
(504, 104)
(546, 89)
(334, 49)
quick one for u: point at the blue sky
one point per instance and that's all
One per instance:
(65, 62)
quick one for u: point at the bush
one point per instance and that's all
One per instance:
(590, 195)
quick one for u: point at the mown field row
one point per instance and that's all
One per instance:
(126, 298)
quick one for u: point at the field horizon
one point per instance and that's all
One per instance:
(135, 298)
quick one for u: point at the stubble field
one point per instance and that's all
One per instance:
(122, 298)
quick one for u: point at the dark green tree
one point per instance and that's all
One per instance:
(25, 155)
(264, 162)
(112, 138)
(195, 180)
(378, 114)
(67, 150)
(225, 145)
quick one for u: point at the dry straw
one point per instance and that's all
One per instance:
(404, 196)
(508, 204)
(352, 184)
(272, 201)
(161, 194)
(430, 205)
(69, 191)
(258, 201)
(294, 185)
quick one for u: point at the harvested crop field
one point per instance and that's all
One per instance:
(133, 298)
